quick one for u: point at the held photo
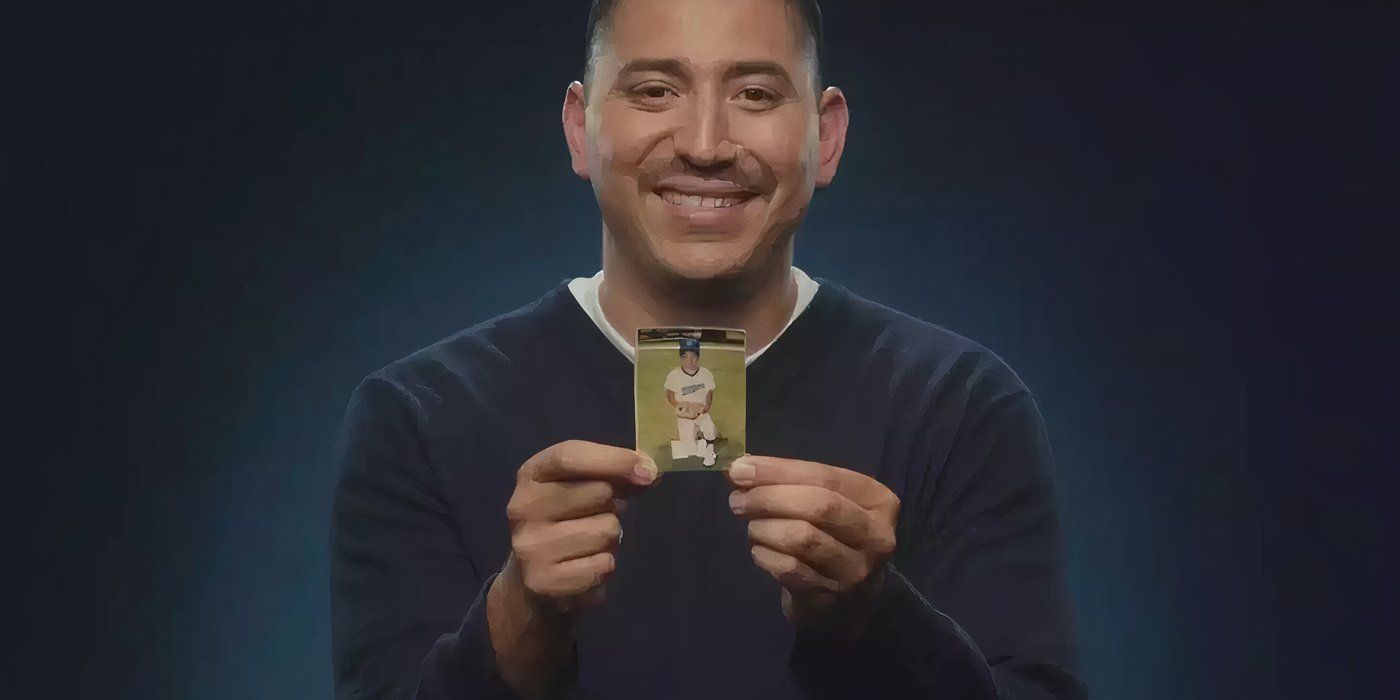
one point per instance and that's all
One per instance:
(691, 397)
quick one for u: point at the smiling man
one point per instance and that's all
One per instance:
(894, 533)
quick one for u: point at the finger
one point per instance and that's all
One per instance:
(561, 500)
(576, 459)
(828, 510)
(571, 539)
(812, 546)
(791, 573)
(571, 578)
(751, 470)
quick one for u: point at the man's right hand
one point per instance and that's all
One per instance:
(564, 537)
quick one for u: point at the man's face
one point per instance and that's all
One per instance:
(702, 134)
(690, 361)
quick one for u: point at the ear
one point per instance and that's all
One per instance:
(834, 118)
(574, 132)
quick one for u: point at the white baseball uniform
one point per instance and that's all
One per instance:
(695, 388)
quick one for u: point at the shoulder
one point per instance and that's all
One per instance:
(474, 362)
(911, 349)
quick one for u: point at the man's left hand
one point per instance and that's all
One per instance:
(823, 532)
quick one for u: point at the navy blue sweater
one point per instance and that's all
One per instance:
(973, 604)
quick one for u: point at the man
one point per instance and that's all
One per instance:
(690, 388)
(894, 533)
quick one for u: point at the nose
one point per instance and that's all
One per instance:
(702, 141)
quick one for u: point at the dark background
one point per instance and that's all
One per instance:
(1171, 221)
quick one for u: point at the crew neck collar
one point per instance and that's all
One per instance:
(585, 293)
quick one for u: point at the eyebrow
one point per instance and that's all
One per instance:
(680, 67)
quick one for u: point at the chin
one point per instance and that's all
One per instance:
(699, 261)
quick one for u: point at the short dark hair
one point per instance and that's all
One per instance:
(601, 11)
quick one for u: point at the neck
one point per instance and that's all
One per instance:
(759, 302)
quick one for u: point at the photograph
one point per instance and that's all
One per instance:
(691, 397)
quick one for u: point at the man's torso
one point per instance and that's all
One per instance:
(849, 384)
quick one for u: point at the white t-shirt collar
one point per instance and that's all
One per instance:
(585, 291)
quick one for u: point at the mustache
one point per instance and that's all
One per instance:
(744, 171)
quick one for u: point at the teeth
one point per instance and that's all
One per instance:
(695, 200)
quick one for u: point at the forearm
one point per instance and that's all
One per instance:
(533, 645)
(987, 552)
(904, 648)
(463, 664)
(411, 617)
(468, 664)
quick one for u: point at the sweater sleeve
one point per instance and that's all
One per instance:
(973, 604)
(408, 604)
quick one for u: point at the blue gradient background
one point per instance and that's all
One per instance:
(230, 214)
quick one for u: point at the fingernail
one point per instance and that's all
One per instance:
(737, 501)
(645, 470)
(742, 470)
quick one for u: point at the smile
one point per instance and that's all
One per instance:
(703, 201)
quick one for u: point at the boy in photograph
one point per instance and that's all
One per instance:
(690, 388)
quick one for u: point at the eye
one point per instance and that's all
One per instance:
(757, 96)
(653, 94)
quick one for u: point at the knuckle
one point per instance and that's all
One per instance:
(863, 572)
(886, 544)
(610, 523)
(598, 541)
(548, 457)
(517, 511)
(789, 537)
(893, 503)
(525, 546)
(788, 566)
(533, 581)
(805, 539)
(601, 489)
(535, 462)
(602, 568)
